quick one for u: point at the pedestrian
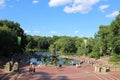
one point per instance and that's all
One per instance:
(77, 65)
(30, 69)
(33, 68)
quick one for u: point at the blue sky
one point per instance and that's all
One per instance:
(60, 17)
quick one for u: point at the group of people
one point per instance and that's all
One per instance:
(32, 68)
(77, 64)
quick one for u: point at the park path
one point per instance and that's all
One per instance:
(85, 72)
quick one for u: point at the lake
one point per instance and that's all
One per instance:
(47, 58)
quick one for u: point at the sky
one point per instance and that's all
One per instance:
(60, 17)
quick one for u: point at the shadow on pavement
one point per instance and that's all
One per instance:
(46, 76)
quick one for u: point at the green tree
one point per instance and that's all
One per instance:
(109, 38)
(115, 35)
(14, 30)
(65, 45)
(43, 43)
(104, 32)
(8, 41)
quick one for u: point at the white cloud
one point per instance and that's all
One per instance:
(114, 14)
(36, 32)
(81, 6)
(53, 3)
(33, 32)
(103, 7)
(53, 32)
(27, 31)
(74, 6)
(35, 1)
(2, 3)
(76, 32)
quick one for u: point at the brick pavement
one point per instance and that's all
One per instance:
(64, 73)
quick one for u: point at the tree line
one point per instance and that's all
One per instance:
(105, 42)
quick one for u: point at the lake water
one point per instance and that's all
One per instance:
(46, 58)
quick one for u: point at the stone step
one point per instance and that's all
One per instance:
(105, 77)
(4, 76)
(115, 75)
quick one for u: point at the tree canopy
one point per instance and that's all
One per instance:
(9, 33)
(105, 42)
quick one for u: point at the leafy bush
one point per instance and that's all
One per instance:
(94, 55)
(115, 58)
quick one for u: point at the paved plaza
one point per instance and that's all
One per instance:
(85, 72)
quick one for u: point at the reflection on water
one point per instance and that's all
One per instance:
(46, 58)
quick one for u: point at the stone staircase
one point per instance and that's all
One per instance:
(107, 76)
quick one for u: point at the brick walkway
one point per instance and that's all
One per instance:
(64, 73)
